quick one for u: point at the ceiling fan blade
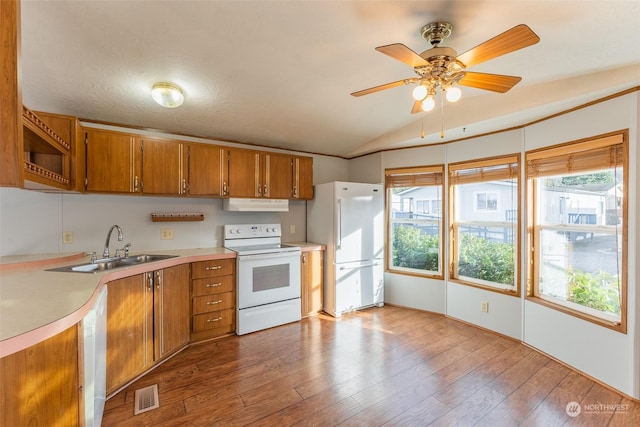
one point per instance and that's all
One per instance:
(417, 107)
(492, 82)
(511, 40)
(384, 86)
(402, 53)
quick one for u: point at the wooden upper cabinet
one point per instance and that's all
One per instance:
(206, 170)
(69, 129)
(244, 169)
(162, 167)
(260, 174)
(112, 162)
(277, 175)
(11, 160)
(303, 178)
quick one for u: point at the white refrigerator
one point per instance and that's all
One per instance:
(348, 218)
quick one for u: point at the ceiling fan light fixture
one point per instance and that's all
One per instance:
(428, 104)
(167, 95)
(419, 92)
(453, 94)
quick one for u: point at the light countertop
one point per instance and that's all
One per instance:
(36, 304)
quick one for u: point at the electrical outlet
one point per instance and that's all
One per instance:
(166, 233)
(484, 306)
(67, 237)
(292, 229)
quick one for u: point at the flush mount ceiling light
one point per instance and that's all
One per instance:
(167, 94)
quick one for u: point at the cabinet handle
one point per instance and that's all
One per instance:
(184, 186)
(215, 267)
(217, 319)
(214, 302)
(225, 189)
(213, 285)
(135, 184)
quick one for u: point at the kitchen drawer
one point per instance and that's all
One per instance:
(213, 285)
(220, 267)
(213, 320)
(214, 302)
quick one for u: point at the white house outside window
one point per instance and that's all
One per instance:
(414, 212)
(576, 245)
(484, 198)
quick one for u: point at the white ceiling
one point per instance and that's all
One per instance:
(280, 73)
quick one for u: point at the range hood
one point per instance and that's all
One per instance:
(255, 205)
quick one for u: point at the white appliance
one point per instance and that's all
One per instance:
(94, 327)
(268, 277)
(348, 218)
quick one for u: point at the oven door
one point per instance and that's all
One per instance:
(267, 278)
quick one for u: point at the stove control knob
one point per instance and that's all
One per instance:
(238, 231)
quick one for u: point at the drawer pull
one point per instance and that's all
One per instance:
(217, 319)
(214, 302)
(213, 285)
(215, 267)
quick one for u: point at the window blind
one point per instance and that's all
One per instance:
(484, 170)
(413, 177)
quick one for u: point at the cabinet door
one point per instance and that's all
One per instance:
(244, 169)
(312, 282)
(171, 309)
(206, 165)
(41, 385)
(277, 173)
(129, 328)
(112, 162)
(162, 163)
(303, 178)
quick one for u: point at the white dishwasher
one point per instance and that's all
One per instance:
(94, 326)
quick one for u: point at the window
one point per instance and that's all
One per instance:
(486, 201)
(484, 223)
(414, 212)
(579, 224)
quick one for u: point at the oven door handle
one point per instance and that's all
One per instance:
(271, 255)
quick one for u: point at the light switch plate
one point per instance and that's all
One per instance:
(67, 237)
(166, 233)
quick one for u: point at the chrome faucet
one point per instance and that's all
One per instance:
(105, 254)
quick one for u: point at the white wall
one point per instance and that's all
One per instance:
(32, 222)
(604, 354)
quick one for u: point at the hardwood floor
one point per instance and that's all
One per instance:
(379, 367)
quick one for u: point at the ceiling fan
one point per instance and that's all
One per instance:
(442, 67)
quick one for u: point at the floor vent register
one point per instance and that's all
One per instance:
(146, 399)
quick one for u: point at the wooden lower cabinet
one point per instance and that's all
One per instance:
(129, 329)
(213, 298)
(40, 385)
(311, 264)
(147, 320)
(171, 310)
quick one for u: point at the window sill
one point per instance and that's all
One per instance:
(614, 326)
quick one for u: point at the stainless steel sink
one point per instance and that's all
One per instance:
(111, 263)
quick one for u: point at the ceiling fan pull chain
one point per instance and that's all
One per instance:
(442, 115)
(422, 133)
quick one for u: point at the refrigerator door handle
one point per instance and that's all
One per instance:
(373, 264)
(339, 225)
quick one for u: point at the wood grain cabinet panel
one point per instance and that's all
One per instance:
(171, 310)
(162, 167)
(213, 298)
(206, 170)
(112, 162)
(311, 264)
(129, 328)
(41, 384)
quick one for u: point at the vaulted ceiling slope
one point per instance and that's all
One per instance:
(280, 73)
